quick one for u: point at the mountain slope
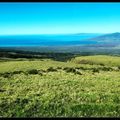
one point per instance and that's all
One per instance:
(108, 37)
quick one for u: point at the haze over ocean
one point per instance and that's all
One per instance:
(45, 40)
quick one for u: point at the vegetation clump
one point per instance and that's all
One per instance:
(82, 68)
(72, 70)
(119, 67)
(6, 74)
(51, 69)
(102, 64)
(17, 72)
(79, 73)
(21, 101)
(95, 70)
(59, 67)
(33, 71)
(2, 90)
(68, 69)
(107, 68)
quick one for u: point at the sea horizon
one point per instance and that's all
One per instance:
(47, 40)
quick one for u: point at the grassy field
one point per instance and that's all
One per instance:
(86, 86)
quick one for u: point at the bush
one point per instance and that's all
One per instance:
(59, 68)
(51, 69)
(77, 67)
(82, 68)
(107, 68)
(1, 74)
(79, 73)
(40, 73)
(95, 70)
(119, 67)
(21, 101)
(1, 90)
(102, 64)
(25, 72)
(33, 71)
(67, 69)
(6, 75)
(17, 72)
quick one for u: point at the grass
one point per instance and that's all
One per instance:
(98, 59)
(47, 88)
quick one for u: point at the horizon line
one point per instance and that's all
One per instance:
(59, 33)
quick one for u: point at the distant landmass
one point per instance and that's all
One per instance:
(80, 43)
(113, 38)
(95, 39)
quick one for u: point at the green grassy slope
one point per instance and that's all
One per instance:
(98, 59)
(46, 88)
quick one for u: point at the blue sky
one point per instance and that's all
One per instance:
(59, 18)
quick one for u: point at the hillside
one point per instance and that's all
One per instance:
(113, 37)
(48, 88)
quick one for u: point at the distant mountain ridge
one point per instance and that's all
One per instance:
(108, 37)
(74, 43)
(86, 39)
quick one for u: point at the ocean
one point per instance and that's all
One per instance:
(46, 40)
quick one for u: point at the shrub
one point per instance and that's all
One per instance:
(82, 68)
(102, 64)
(79, 73)
(1, 90)
(17, 72)
(21, 101)
(95, 70)
(25, 72)
(1, 74)
(40, 73)
(67, 69)
(77, 67)
(6, 75)
(59, 68)
(107, 68)
(33, 71)
(119, 67)
(51, 69)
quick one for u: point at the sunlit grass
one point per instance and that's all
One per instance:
(59, 93)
